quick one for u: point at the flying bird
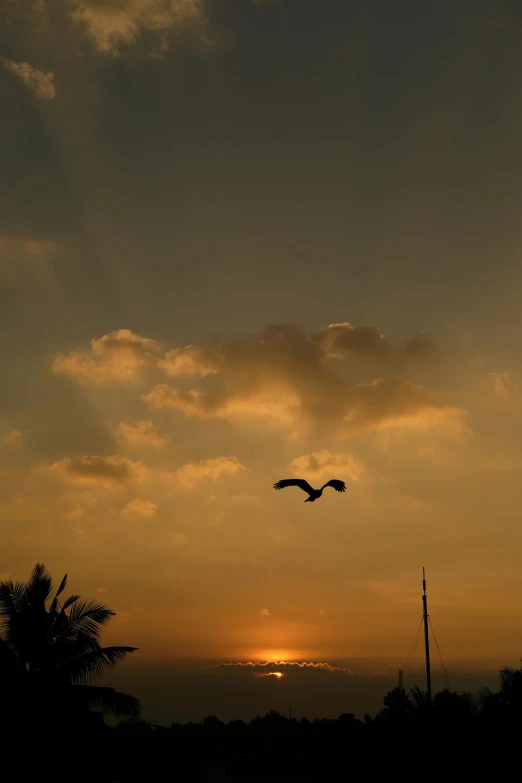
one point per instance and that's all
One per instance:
(340, 486)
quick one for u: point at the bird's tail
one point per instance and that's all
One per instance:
(309, 500)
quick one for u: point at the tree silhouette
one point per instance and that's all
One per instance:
(48, 655)
(508, 701)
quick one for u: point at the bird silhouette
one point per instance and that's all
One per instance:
(340, 486)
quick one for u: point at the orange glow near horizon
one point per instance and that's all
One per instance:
(279, 656)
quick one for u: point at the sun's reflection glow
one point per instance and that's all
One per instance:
(277, 675)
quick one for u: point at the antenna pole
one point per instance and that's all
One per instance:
(426, 635)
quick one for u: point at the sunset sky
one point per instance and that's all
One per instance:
(245, 240)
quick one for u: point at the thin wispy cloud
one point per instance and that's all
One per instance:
(13, 436)
(319, 464)
(101, 471)
(288, 666)
(190, 474)
(140, 508)
(503, 385)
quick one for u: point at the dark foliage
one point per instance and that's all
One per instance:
(52, 727)
(455, 738)
(49, 651)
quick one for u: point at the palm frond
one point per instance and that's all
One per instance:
(11, 599)
(89, 616)
(62, 586)
(419, 698)
(82, 668)
(66, 649)
(39, 587)
(69, 602)
(484, 694)
(107, 700)
(48, 653)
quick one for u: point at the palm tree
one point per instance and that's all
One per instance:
(48, 655)
(508, 701)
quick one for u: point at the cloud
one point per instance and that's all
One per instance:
(27, 262)
(419, 346)
(281, 374)
(141, 433)
(286, 667)
(503, 385)
(265, 612)
(321, 611)
(102, 589)
(111, 25)
(140, 508)
(320, 463)
(102, 471)
(189, 360)
(390, 405)
(13, 437)
(193, 472)
(41, 84)
(117, 356)
(278, 404)
(342, 340)
(74, 515)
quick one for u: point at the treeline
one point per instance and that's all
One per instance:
(52, 726)
(456, 737)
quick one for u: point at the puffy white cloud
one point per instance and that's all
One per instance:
(321, 463)
(102, 471)
(40, 83)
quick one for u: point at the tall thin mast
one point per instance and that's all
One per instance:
(426, 635)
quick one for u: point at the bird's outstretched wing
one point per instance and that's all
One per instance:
(340, 486)
(301, 483)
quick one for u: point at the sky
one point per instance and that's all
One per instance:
(247, 240)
